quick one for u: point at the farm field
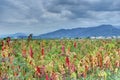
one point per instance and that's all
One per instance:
(78, 59)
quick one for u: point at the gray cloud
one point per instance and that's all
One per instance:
(81, 8)
(42, 16)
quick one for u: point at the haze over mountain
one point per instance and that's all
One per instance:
(102, 30)
(16, 35)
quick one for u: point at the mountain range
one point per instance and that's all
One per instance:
(16, 35)
(102, 30)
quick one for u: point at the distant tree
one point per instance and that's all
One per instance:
(4, 38)
(77, 38)
(88, 37)
(30, 37)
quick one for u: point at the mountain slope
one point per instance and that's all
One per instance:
(102, 30)
(16, 35)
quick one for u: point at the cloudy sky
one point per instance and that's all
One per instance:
(42, 16)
